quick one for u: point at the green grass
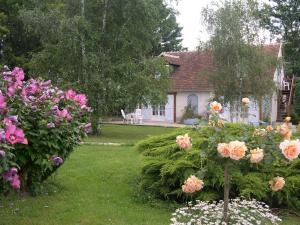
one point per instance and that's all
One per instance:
(96, 185)
(127, 134)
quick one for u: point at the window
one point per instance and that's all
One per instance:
(192, 102)
(172, 68)
(158, 110)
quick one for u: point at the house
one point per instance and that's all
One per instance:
(190, 86)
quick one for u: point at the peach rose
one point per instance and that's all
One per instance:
(237, 150)
(287, 119)
(277, 183)
(246, 101)
(269, 128)
(215, 107)
(260, 132)
(192, 184)
(290, 149)
(223, 149)
(256, 155)
(184, 141)
(285, 131)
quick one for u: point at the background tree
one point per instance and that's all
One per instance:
(18, 45)
(240, 65)
(105, 48)
(282, 18)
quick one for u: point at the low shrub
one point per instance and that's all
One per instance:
(40, 127)
(167, 166)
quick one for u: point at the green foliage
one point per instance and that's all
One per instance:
(296, 100)
(241, 65)
(104, 48)
(189, 113)
(282, 18)
(166, 166)
(18, 44)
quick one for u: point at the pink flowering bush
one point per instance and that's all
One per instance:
(40, 126)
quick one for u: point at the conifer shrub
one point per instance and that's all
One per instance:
(166, 167)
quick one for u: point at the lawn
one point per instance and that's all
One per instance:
(127, 134)
(96, 185)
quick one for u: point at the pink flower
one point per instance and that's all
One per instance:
(64, 114)
(277, 183)
(81, 99)
(14, 135)
(2, 102)
(192, 184)
(237, 150)
(32, 87)
(223, 149)
(12, 177)
(256, 155)
(70, 94)
(13, 86)
(290, 149)
(184, 141)
(11, 90)
(18, 73)
(15, 183)
(7, 121)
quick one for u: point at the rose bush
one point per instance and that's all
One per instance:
(258, 156)
(40, 126)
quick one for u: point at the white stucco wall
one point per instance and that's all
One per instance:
(253, 112)
(169, 112)
(182, 98)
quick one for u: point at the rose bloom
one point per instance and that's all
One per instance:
(277, 183)
(192, 184)
(184, 141)
(237, 150)
(215, 107)
(246, 101)
(290, 149)
(256, 155)
(269, 128)
(223, 149)
(287, 119)
(285, 131)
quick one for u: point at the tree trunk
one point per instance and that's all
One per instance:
(104, 16)
(226, 193)
(83, 54)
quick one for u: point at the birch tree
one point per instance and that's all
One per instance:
(240, 64)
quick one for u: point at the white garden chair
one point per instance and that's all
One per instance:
(126, 118)
(138, 116)
(285, 85)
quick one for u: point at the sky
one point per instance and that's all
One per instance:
(189, 18)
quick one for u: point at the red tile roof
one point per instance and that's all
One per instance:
(191, 67)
